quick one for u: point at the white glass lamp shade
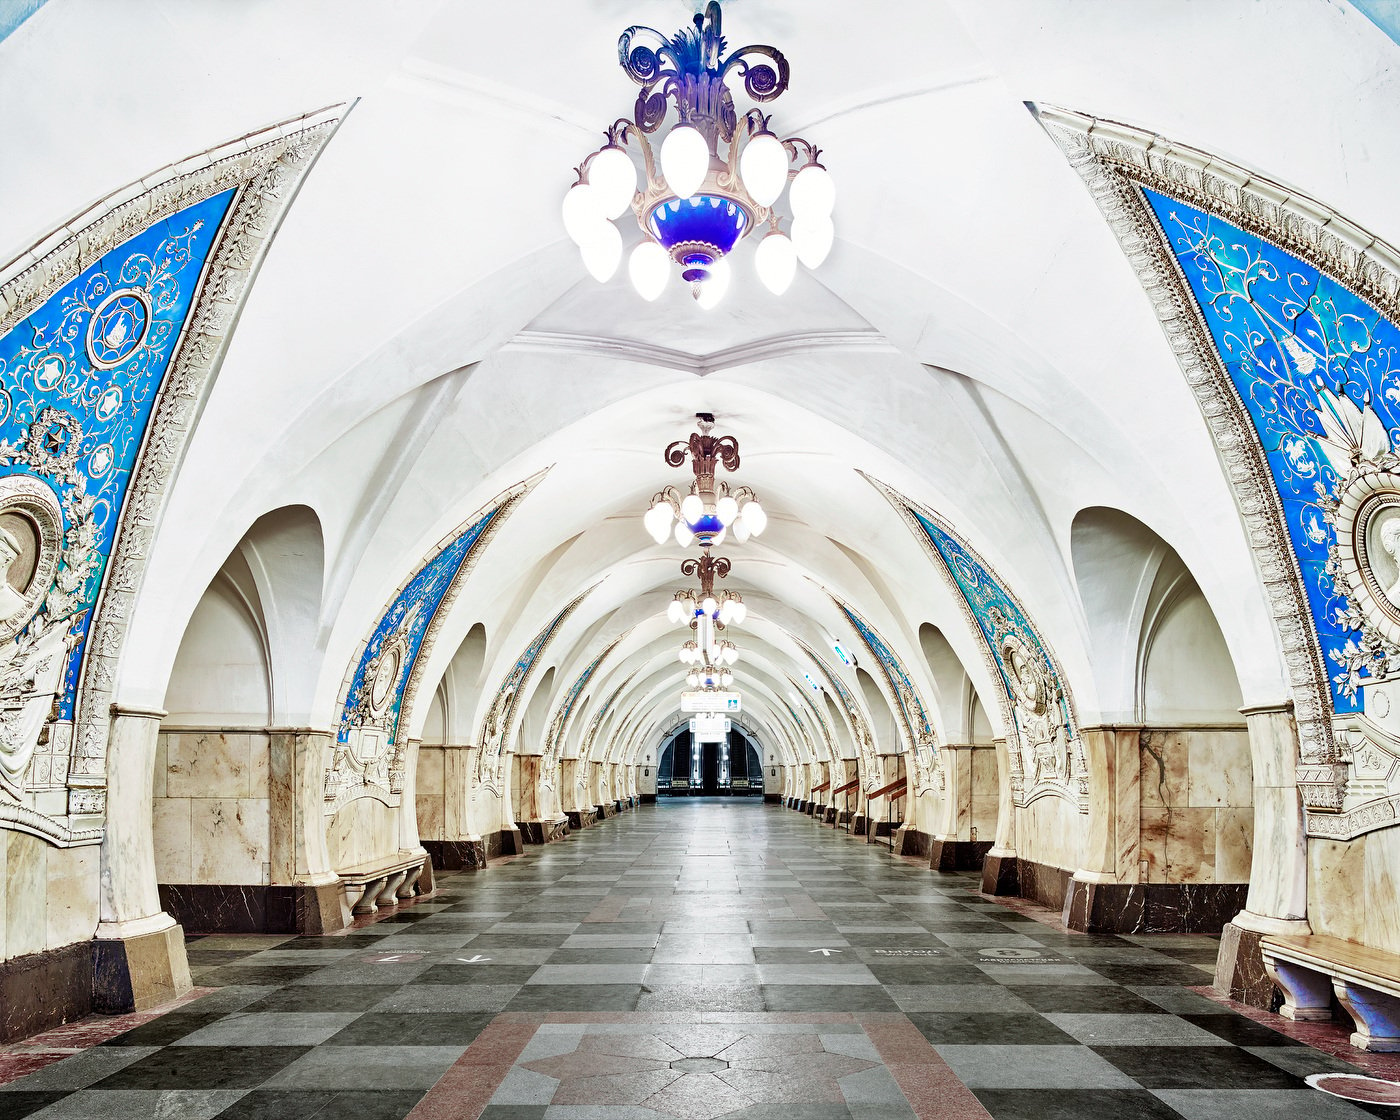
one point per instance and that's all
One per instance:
(709, 606)
(683, 534)
(726, 611)
(713, 289)
(813, 193)
(613, 177)
(603, 254)
(718, 538)
(692, 508)
(763, 167)
(754, 518)
(676, 611)
(741, 612)
(649, 266)
(726, 509)
(726, 679)
(685, 160)
(712, 654)
(775, 261)
(693, 679)
(683, 655)
(812, 238)
(583, 217)
(658, 522)
(741, 529)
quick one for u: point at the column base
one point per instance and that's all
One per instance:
(457, 855)
(911, 842)
(958, 855)
(545, 832)
(648, 799)
(1239, 968)
(511, 842)
(1001, 875)
(1152, 907)
(843, 819)
(256, 908)
(606, 810)
(134, 973)
(581, 818)
(39, 991)
(859, 823)
(772, 798)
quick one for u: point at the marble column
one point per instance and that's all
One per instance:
(1278, 876)
(999, 870)
(139, 953)
(1101, 892)
(298, 758)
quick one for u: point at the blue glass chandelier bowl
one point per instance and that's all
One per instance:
(699, 230)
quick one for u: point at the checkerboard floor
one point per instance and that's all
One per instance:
(700, 958)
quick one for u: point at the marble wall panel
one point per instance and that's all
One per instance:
(1336, 904)
(984, 792)
(430, 824)
(363, 831)
(26, 883)
(172, 840)
(1191, 846)
(72, 897)
(229, 840)
(1164, 773)
(1234, 844)
(1219, 770)
(211, 763)
(1381, 890)
(430, 770)
(1050, 830)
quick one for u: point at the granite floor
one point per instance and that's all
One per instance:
(701, 958)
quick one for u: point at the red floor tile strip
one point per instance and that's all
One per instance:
(1332, 1038)
(463, 1092)
(37, 1051)
(934, 1091)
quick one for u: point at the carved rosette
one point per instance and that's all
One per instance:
(265, 169)
(1343, 795)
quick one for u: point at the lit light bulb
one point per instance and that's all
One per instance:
(731, 655)
(582, 214)
(693, 508)
(726, 611)
(675, 612)
(812, 238)
(813, 193)
(685, 160)
(683, 654)
(775, 261)
(741, 529)
(693, 679)
(603, 254)
(726, 679)
(741, 612)
(726, 509)
(712, 290)
(649, 266)
(709, 606)
(755, 518)
(683, 534)
(613, 177)
(763, 168)
(658, 522)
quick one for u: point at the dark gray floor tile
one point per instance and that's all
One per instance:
(285, 1104)
(958, 1027)
(1197, 1067)
(1074, 1104)
(575, 997)
(197, 1067)
(826, 997)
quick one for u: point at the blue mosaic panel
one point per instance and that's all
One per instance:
(995, 611)
(575, 690)
(1284, 331)
(410, 614)
(912, 709)
(79, 379)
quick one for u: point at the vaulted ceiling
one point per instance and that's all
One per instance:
(422, 335)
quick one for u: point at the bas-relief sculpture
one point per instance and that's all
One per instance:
(554, 737)
(860, 726)
(1037, 708)
(912, 714)
(382, 682)
(1282, 315)
(500, 717)
(107, 344)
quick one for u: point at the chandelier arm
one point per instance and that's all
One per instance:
(675, 453)
(793, 143)
(726, 452)
(762, 82)
(690, 566)
(642, 61)
(722, 566)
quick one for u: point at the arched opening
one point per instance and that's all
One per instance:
(241, 668)
(1161, 659)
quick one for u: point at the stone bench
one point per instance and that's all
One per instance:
(1309, 971)
(367, 887)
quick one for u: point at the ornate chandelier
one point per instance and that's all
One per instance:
(720, 176)
(711, 509)
(709, 656)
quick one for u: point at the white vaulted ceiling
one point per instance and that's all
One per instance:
(422, 335)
